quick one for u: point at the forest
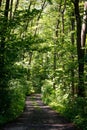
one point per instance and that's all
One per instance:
(43, 50)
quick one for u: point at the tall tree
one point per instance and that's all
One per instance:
(3, 36)
(3, 73)
(72, 55)
(84, 26)
(55, 45)
(80, 51)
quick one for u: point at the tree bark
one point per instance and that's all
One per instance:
(3, 74)
(0, 3)
(80, 51)
(72, 55)
(84, 26)
(4, 28)
(11, 6)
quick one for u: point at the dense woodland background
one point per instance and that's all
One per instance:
(43, 50)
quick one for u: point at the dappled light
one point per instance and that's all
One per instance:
(43, 64)
(39, 116)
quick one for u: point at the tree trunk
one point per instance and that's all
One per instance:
(29, 64)
(84, 27)
(2, 45)
(72, 55)
(80, 51)
(3, 74)
(0, 3)
(55, 46)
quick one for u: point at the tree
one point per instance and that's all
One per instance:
(84, 26)
(80, 51)
(3, 72)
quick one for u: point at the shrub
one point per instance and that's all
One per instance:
(16, 99)
(47, 90)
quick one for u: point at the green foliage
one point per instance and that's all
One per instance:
(76, 110)
(15, 102)
(35, 59)
(29, 88)
(49, 1)
(47, 91)
(73, 109)
(18, 88)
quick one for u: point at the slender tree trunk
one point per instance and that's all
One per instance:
(0, 3)
(29, 64)
(55, 53)
(3, 74)
(16, 7)
(2, 45)
(55, 46)
(72, 55)
(83, 32)
(84, 26)
(80, 52)
(54, 67)
(39, 16)
(63, 10)
(11, 6)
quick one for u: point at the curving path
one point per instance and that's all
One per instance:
(38, 116)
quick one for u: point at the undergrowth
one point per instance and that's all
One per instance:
(74, 109)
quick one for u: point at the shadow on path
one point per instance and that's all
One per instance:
(38, 116)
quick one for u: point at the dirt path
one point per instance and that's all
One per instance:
(38, 116)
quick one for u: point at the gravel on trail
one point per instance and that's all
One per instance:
(38, 116)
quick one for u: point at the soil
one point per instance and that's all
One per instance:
(38, 116)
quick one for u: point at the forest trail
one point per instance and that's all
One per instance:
(38, 116)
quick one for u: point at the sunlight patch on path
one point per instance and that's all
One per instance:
(38, 116)
(17, 128)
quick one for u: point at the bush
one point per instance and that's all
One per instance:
(47, 91)
(16, 99)
(29, 88)
(17, 103)
(75, 109)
